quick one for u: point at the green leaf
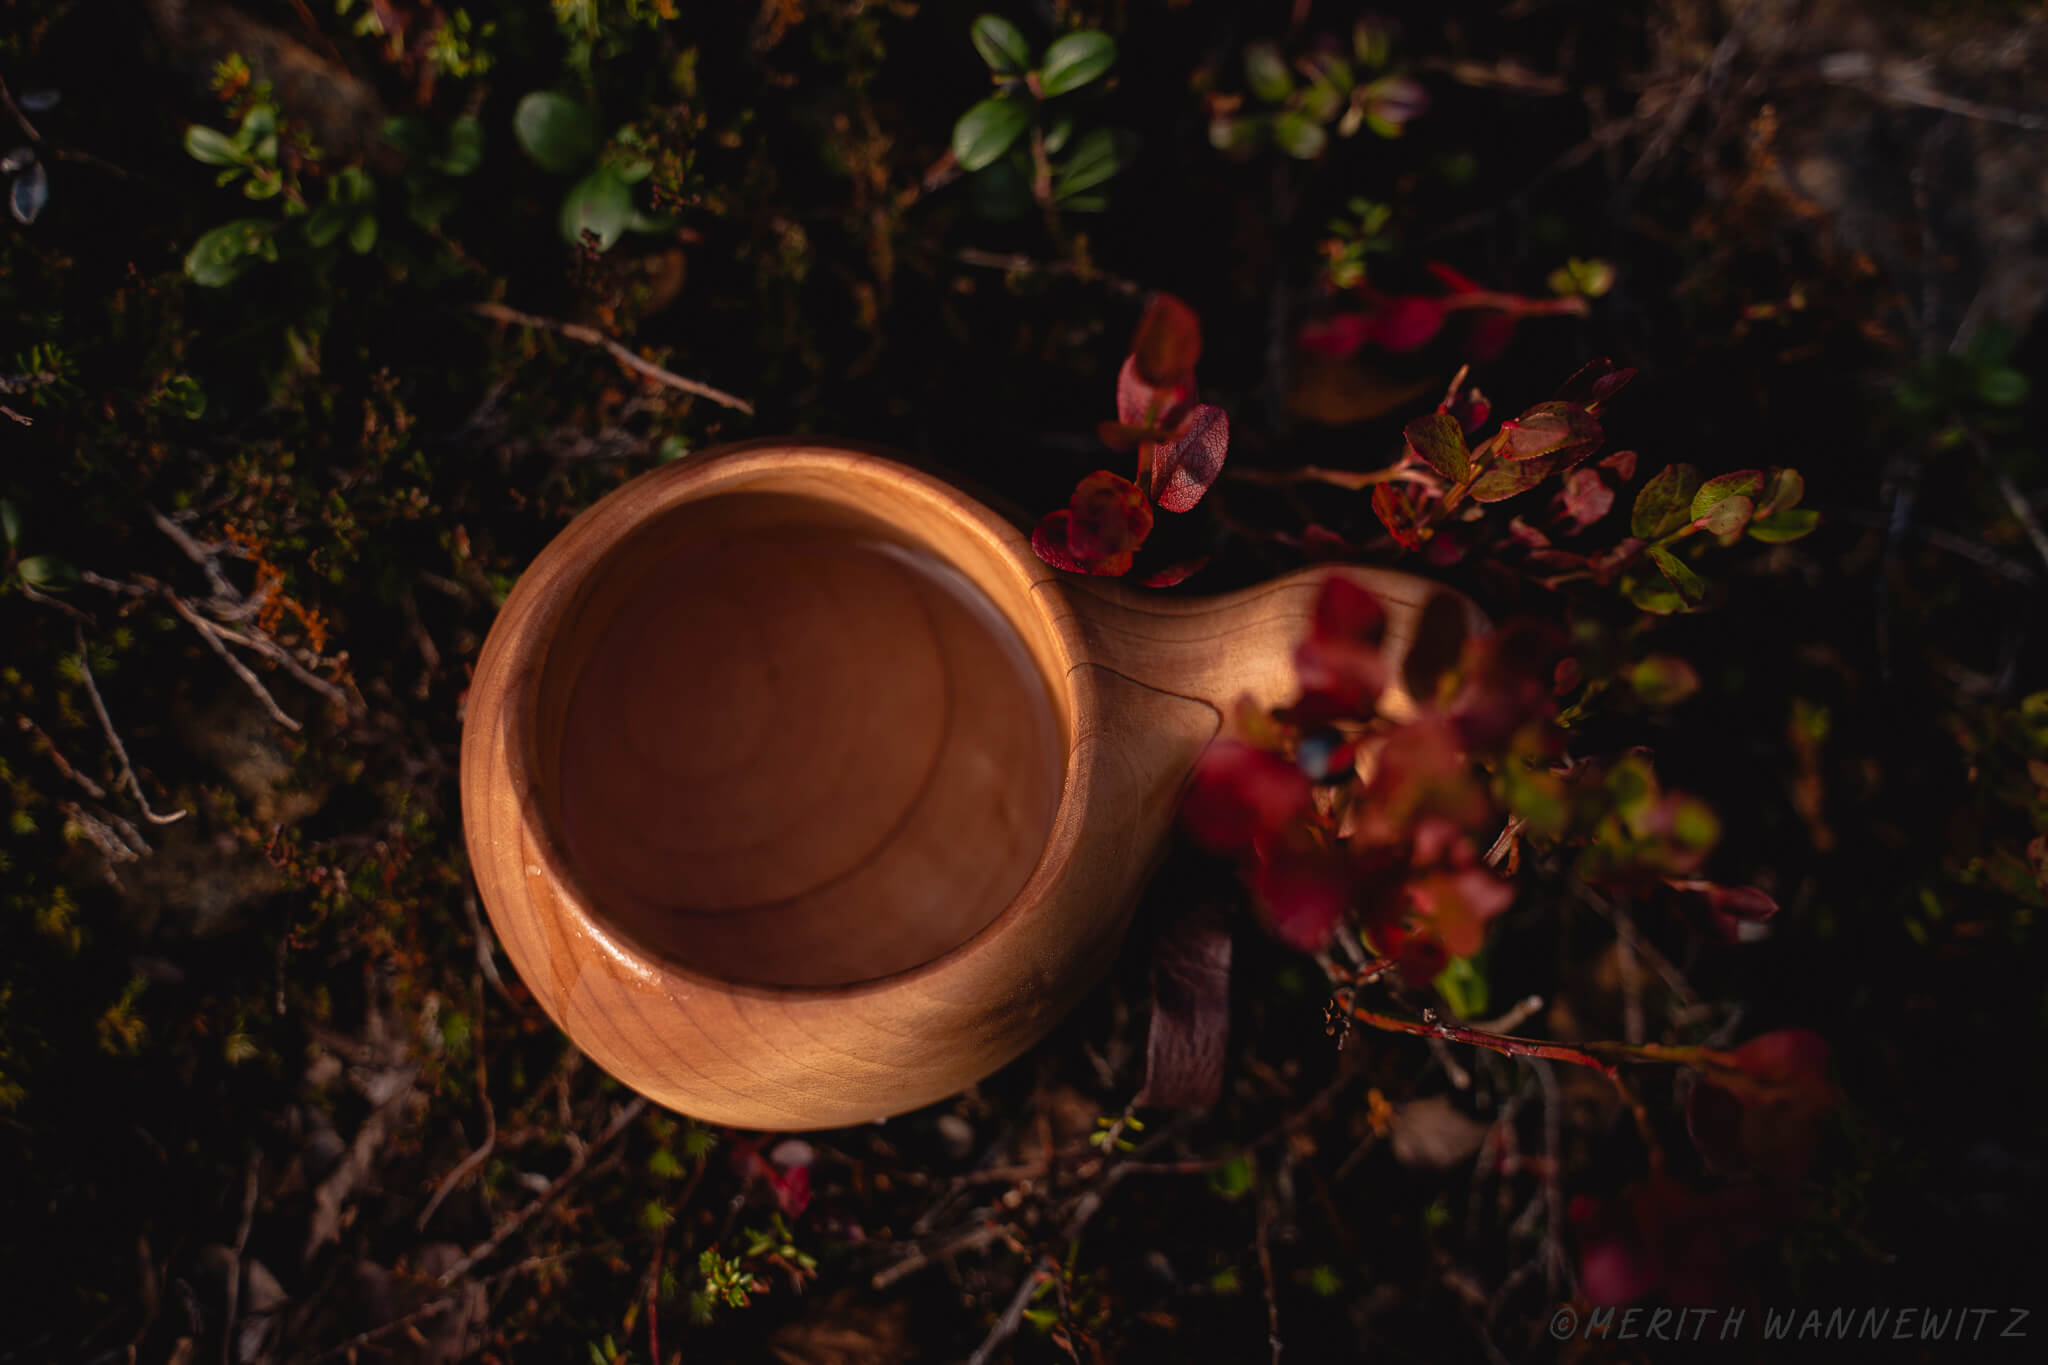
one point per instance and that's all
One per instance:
(988, 130)
(1439, 440)
(465, 147)
(47, 572)
(1727, 517)
(223, 254)
(1300, 136)
(1001, 45)
(1783, 488)
(1086, 203)
(362, 234)
(1233, 1179)
(1665, 503)
(600, 203)
(1511, 477)
(1463, 986)
(10, 522)
(557, 132)
(1073, 61)
(1790, 524)
(1058, 135)
(328, 222)
(1266, 71)
(1094, 161)
(1746, 483)
(1689, 584)
(1321, 101)
(2004, 387)
(211, 146)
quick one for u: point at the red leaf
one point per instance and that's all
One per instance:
(792, 1190)
(1595, 382)
(1457, 905)
(1339, 665)
(1304, 890)
(1507, 677)
(1563, 430)
(1147, 406)
(1338, 336)
(1168, 342)
(1184, 1047)
(1622, 462)
(1183, 469)
(1111, 519)
(1240, 793)
(1741, 902)
(1471, 409)
(1406, 322)
(1049, 541)
(1398, 509)
(1452, 280)
(1761, 1107)
(1420, 771)
(1175, 573)
(1490, 336)
(1584, 499)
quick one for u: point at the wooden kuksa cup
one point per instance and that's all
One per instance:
(802, 793)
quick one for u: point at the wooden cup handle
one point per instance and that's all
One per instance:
(1214, 650)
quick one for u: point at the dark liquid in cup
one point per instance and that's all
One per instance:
(805, 756)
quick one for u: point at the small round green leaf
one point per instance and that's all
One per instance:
(362, 234)
(988, 130)
(1665, 503)
(1001, 45)
(1780, 527)
(1094, 161)
(224, 253)
(1266, 71)
(1300, 136)
(1690, 586)
(2004, 387)
(602, 204)
(47, 572)
(211, 146)
(327, 223)
(1743, 483)
(1073, 61)
(557, 132)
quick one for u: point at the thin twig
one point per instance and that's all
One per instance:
(1016, 263)
(227, 1329)
(7, 98)
(484, 959)
(970, 1239)
(1013, 1315)
(99, 707)
(2015, 503)
(211, 633)
(56, 756)
(1265, 1254)
(445, 1301)
(200, 554)
(590, 336)
(512, 1225)
(1586, 1055)
(483, 1093)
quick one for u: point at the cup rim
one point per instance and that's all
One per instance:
(548, 586)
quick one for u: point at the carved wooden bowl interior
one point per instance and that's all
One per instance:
(796, 748)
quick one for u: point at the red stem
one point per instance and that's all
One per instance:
(1586, 1056)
